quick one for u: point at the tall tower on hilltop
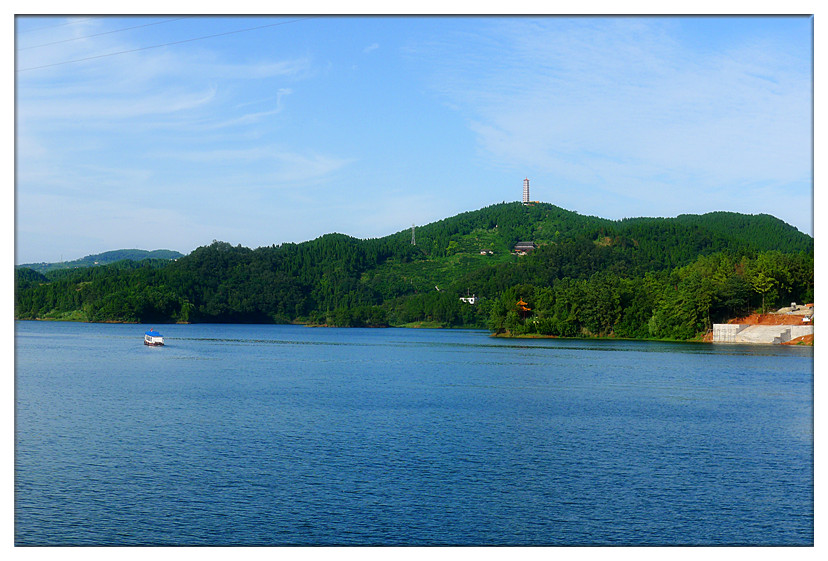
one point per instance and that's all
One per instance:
(526, 190)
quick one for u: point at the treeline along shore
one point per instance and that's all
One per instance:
(580, 276)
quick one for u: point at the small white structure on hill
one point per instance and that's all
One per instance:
(469, 299)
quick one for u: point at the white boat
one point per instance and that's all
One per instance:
(153, 338)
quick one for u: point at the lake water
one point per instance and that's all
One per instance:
(287, 435)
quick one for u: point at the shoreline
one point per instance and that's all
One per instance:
(592, 338)
(804, 341)
(801, 341)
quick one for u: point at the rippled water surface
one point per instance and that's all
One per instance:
(286, 435)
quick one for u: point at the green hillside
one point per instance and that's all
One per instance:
(105, 258)
(643, 277)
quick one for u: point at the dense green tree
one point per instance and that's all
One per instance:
(647, 277)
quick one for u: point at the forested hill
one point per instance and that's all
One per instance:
(106, 258)
(340, 280)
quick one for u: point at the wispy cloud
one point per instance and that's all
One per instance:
(276, 98)
(255, 169)
(624, 106)
(104, 108)
(371, 47)
(187, 122)
(250, 118)
(136, 85)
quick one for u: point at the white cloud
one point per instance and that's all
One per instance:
(622, 106)
(247, 118)
(281, 92)
(136, 83)
(371, 47)
(103, 109)
(274, 163)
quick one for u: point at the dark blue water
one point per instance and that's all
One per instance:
(286, 435)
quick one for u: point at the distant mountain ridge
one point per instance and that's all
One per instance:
(105, 258)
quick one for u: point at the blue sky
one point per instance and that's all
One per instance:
(366, 125)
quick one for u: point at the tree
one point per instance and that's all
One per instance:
(762, 284)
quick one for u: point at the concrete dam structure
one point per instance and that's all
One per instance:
(758, 334)
(768, 329)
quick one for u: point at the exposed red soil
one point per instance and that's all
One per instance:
(804, 340)
(770, 319)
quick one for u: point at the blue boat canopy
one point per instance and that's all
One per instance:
(152, 333)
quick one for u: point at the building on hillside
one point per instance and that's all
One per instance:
(469, 299)
(523, 308)
(522, 248)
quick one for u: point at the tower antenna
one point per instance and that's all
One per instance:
(413, 240)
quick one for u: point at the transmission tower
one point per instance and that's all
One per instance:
(413, 241)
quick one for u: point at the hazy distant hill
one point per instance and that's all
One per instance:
(640, 277)
(105, 259)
